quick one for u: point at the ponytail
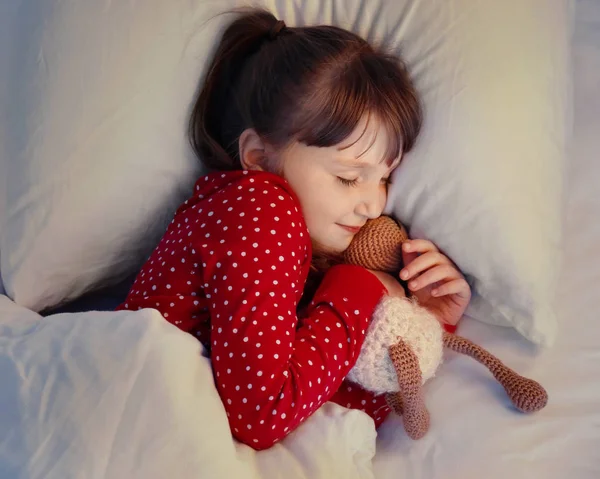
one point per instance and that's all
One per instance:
(214, 129)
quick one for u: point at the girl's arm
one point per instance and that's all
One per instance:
(270, 373)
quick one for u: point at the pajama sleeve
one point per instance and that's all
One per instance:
(271, 372)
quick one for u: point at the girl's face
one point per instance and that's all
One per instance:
(342, 186)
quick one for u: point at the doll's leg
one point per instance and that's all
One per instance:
(415, 414)
(394, 401)
(526, 394)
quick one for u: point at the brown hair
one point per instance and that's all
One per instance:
(311, 84)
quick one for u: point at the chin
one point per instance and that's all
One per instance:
(339, 247)
(329, 248)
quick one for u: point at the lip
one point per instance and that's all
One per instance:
(351, 229)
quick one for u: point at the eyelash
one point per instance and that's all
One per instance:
(346, 182)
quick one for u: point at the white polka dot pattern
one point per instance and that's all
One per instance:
(231, 270)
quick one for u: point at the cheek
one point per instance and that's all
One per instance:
(321, 212)
(384, 194)
(311, 200)
(324, 201)
(339, 206)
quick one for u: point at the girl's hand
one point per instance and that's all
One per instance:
(435, 281)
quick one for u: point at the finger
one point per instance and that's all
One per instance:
(422, 263)
(418, 246)
(459, 287)
(408, 258)
(444, 272)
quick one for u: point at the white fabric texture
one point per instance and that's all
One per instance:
(99, 160)
(485, 179)
(98, 157)
(397, 318)
(474, 432)
(7, 13)
(128, 395)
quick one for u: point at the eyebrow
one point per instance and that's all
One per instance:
(357, 163)
(353, 163)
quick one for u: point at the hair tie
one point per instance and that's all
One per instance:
(276, 29)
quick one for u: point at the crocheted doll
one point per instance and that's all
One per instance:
(405, 342)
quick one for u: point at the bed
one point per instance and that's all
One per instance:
(86, 392)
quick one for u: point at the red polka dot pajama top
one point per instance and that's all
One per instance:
(230, 270)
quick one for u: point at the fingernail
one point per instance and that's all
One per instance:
(406, 247)
(435, 292)
(404, 274)
(413, 284)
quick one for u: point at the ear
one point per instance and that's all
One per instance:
(252, 150)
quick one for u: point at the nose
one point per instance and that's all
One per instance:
(371, 203)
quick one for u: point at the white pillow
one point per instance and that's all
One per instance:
(7, 13)
(98, 154)
(485, 180)
(103, 159)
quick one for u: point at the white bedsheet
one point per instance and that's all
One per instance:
(473, 433)
(127, 395)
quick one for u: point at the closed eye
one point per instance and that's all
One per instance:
(347, 182)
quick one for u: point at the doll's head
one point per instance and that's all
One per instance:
(378, 246)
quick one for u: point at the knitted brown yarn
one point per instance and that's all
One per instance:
(394, 400)
(526, 394)
(411, 401)
(378, 245)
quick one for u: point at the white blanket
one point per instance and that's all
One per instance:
(127, 395)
